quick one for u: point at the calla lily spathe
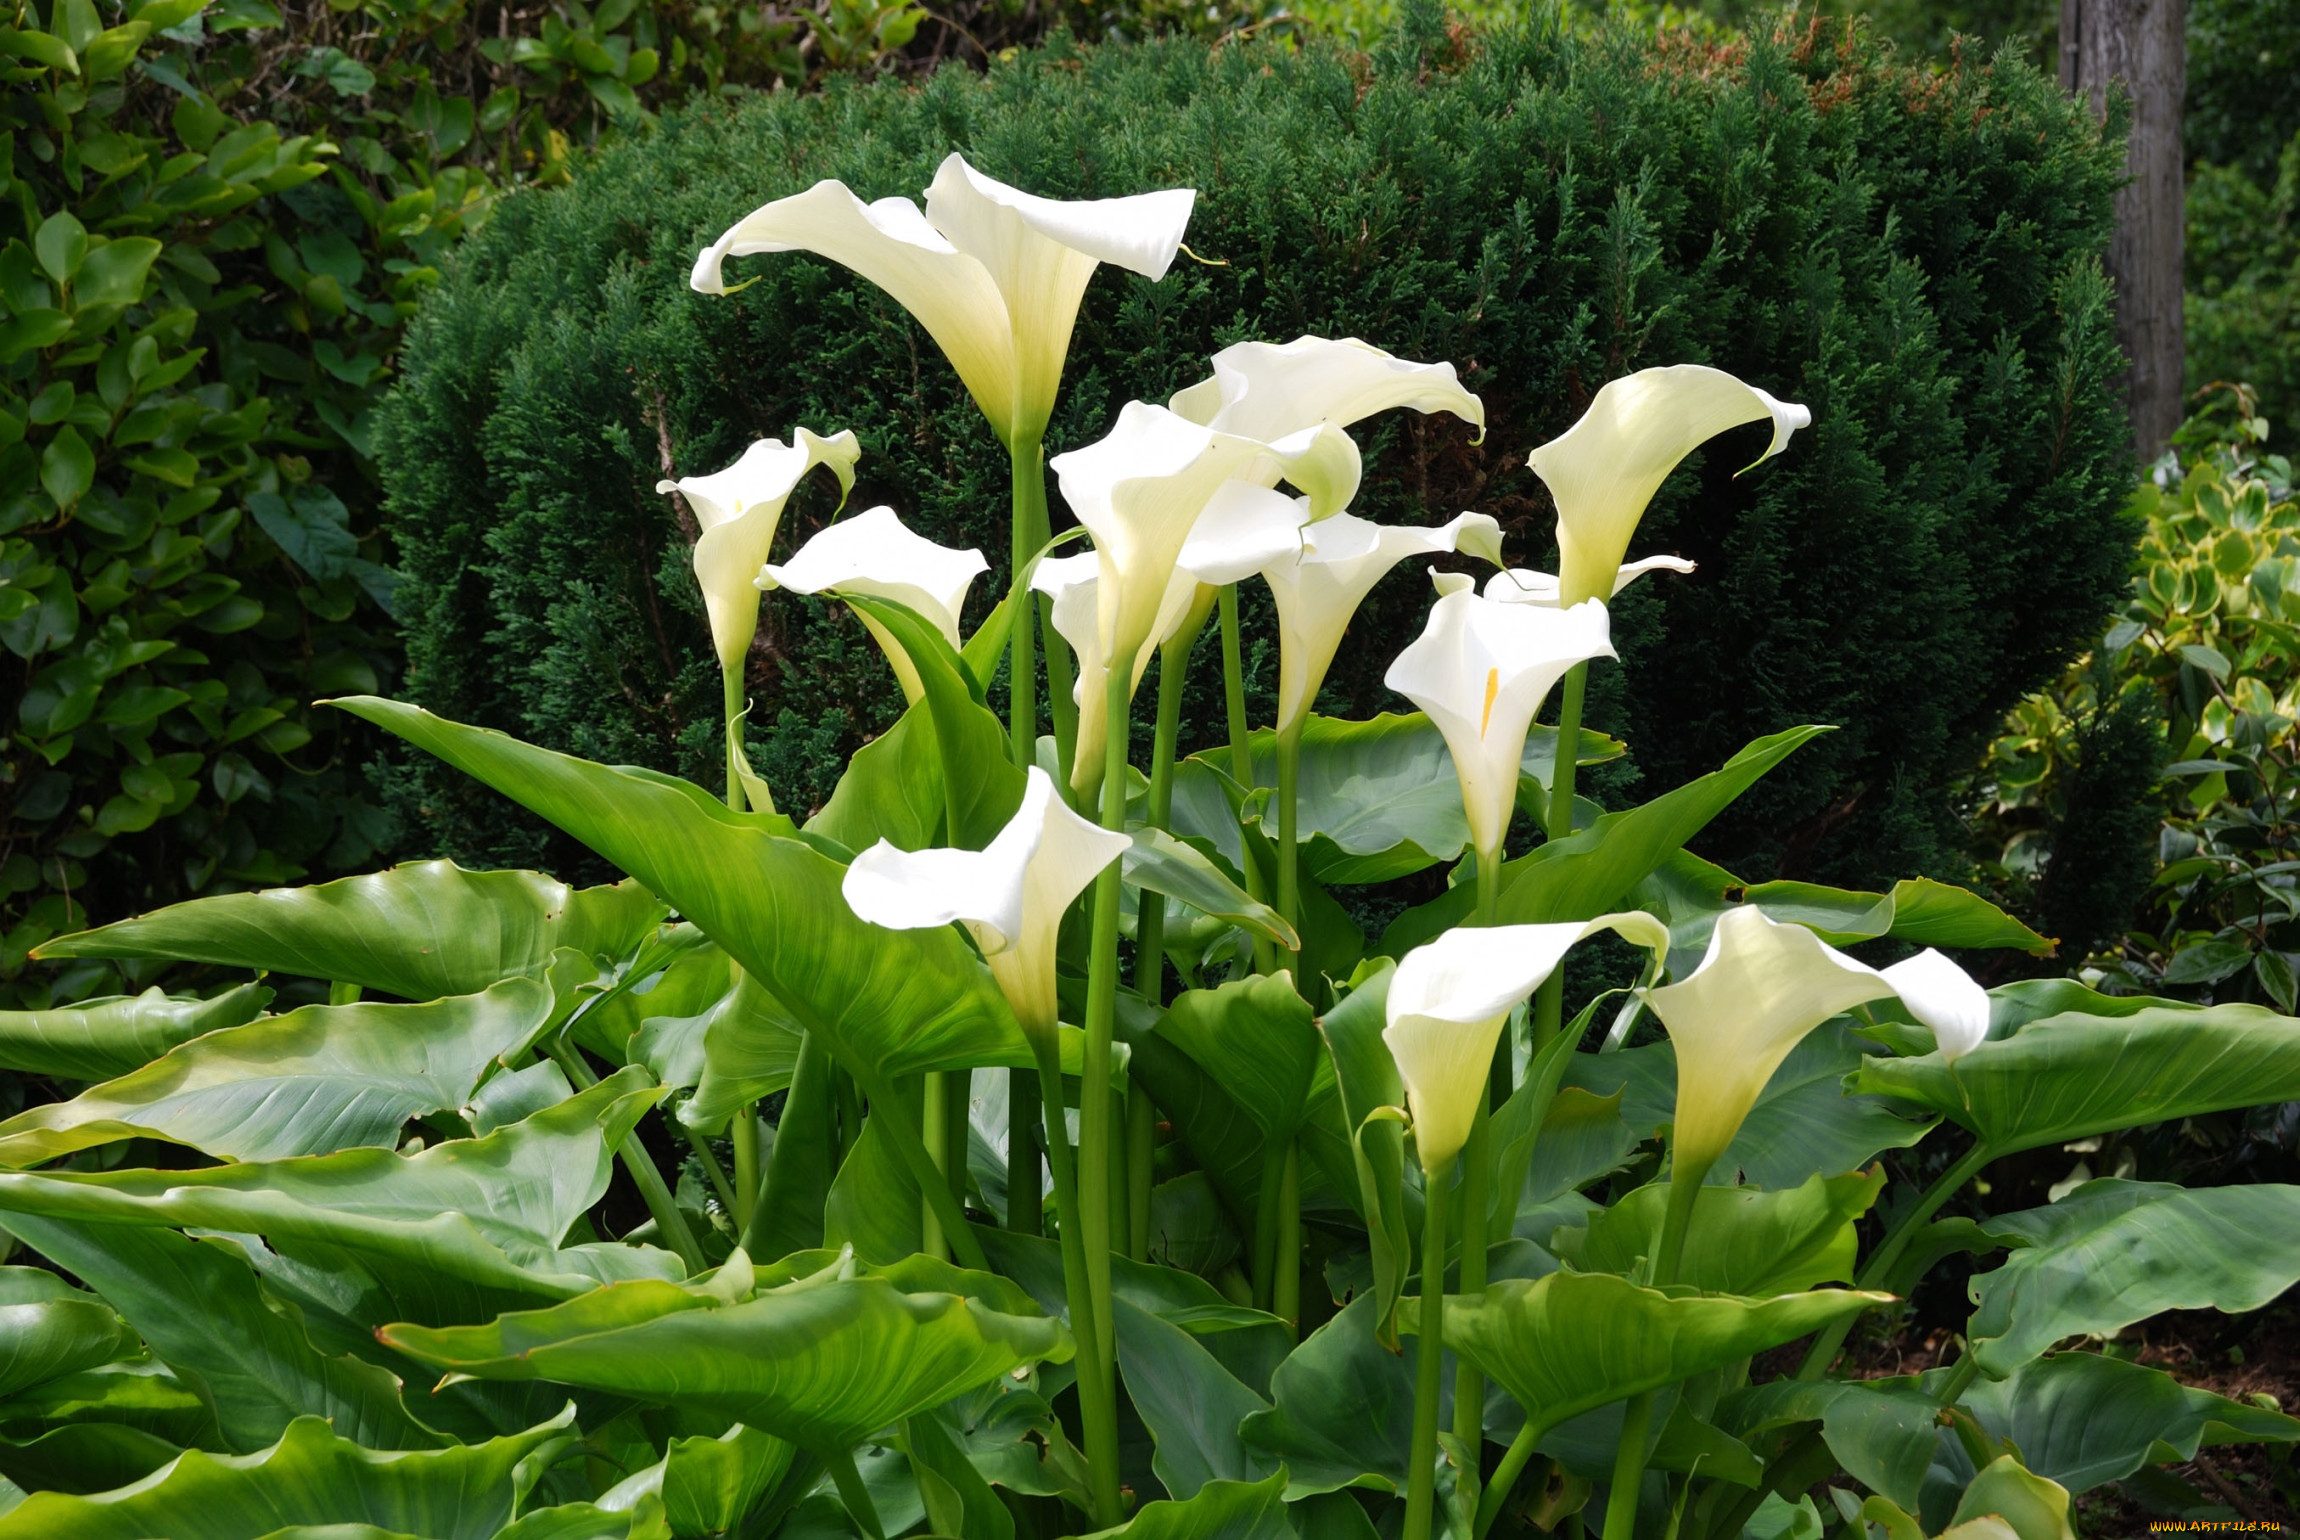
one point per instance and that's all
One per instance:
(1605, 468)
(1074, 583)
(876, 553)
(1522, 585)
(1760, 988)
(1010, 896)
(994, 274)
(1480, 669)
(738, 509)
(1267, 390)
(1319, 573)
(1449, 1000)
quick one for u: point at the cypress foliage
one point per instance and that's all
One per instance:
(1911, 253)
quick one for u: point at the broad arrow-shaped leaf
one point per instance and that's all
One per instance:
(2111, 1253)
(1163, 864)
(310, 1477)
(489, 1212)
(418, 931)
(324, 1078)
(822, 1361)
(49, 1329)
(1220, 1510)
(1572, 1342)
(889, 1003)
(1743, 1240)
(98, 1039)
(1256, 1038)
(971, 742)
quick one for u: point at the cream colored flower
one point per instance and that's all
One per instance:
(876, 553)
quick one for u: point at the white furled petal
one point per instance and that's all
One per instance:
(1448, 1001)
(1074, 583)
(1009, 896)
(1522, 585)
(952, 294)
(738, 509)
(1481, 669)
(876, 553)
(1244, 529)
(1267, 390)
(1944, 997)
(1761, 987)
(1605, 468)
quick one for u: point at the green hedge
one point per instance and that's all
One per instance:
(1912, 254)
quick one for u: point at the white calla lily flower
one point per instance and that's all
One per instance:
(876, 553)
(1761, 987)
(994, 274)
(1522, 585)
(1266, 390)
(1319, 573)
(1605, 468)
(1010, 896)
(1074, 583)
(738, 509)
(1481, 669)
(1449, 1000)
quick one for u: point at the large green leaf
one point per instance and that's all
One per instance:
(1256, 1038)
(2073, 1075)
(258, 1368)
(749, 1048)
(1342, 1408)
(310, 1477)
(1743, 1240)
(1226, 1143)
(1163, 864)
(889, 1003)
(324, 1078)
(2111, 1253)
(1572, 1342)
(1592, 870)
(1883, 1432)
(490, 1212)
(891, 790)
(85, 1457)
(1366, 1078)
(418, 931)
(874, 1203)
(139, 1393)
(98, 1039)
(49, 1329)
(708, 1486)
(1191, 1404)
(970, 742)
(1220, 1510)
(822, 1361)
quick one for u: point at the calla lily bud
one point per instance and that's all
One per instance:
(1522, 585)
(876, 553)
(738, 510)
(1605, 468)
(1010, 896)
(1481, 669)
(994, 274)
(1319, 573)
(1760, 988)
(1449, 1000)
(1074, 582)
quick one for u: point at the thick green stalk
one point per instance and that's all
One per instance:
(958, 1100)
(855, 1495)
(1628, 1469)
(1505, 1476)
(1476, 1193)
(1264, 1266)
(932, 1110)
(1097, 1391)
(1023, 1193)
(1549, 1000)
(1094, 1110)
(1824, 1349)
(1960, 1378)
(1289, 788)
(1286, 1273)
(1061, 704)
(731, 703)
(653, 1191)
(1150, 936)
(743, 1134)
(1421, 1452)
(1029, 515)
(1241, 743)
(810, 1116)
(885, 1102)
(713, 1172)
(1677, 1218)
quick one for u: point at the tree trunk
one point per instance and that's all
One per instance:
(2140, 46)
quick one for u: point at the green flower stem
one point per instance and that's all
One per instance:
(1286, 1274)
(732, 705)
(1094, 1099)
(1150, 935)
(1549, 1000)
(854, 1494)
(1061, 708)
(1141, 1153)
(936, 1137)
(1476, 1193)
(887, 1102)
(653, 1191)
(1267, 1197)
(1421, 1453)
(1029, 496)
(1097, 1396)
(1241, 747)
(713, 1172)
(743, 1134)
(1960, 1378)
(1289, 787)
(1628, 1469)
(1684, 1190)
(1505, 1476)
(1824, 1349)
(1023, 1192)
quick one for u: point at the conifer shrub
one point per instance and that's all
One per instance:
(1912, 253)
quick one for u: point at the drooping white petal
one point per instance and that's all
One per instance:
(1523, 585)
(1243, 529)
(1448, 1001)
(1944, 997)
(738, 509)
(1267, 390)
(1074, 582)
(876, 553)
(1010, 896)
(1605, 468)
(1481, 669)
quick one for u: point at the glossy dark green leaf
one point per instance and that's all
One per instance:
(418, 931)
(1226, 1143)
(139, 1393)
(1342, 1408)
(1256, 1039)
(749, 1049)
(85, 1457)
(1883, 1432)
(890, 790)
(49, 1329)
(1177, 1298)
(1582, 1139)
(1192, 1406)
(971, 742)
(708, 1486)
(822, 1361)
(98, 1039)
(1742, 1240)
(1221, 1510)
(2111, 1253)
(310, 1477)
